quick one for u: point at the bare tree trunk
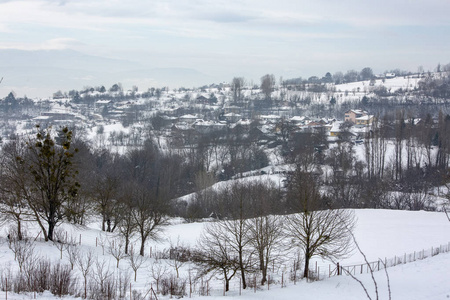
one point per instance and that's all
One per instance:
(51, 229)
(141, 251)
(306, 271)
(227, 281)
(263, 271)
(241, 266)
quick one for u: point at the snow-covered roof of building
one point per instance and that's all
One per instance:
(244, 122)
(270, 117)
(43, 118)
(336, 127)
(231, 115)
(297, 119)
(188, 116)
(358, 111)
(365, 118)
(103, 102)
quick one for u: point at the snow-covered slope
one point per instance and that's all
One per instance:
(380, 234)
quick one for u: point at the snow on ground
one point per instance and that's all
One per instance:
(392, 84)
(277, 180)
(421, 280)
(380, 234)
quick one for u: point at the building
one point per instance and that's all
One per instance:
(335, 129)
(353, 114)
(364, 120)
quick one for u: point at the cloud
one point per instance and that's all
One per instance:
(60, 44)
(225, 17)
(53, 44)
(4, 28)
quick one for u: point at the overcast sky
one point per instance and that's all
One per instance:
(250, 38)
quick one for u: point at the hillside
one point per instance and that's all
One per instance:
(380, 233)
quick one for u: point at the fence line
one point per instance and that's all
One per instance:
(388, 263)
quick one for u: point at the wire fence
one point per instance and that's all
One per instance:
(388, 262)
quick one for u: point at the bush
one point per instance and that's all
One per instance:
(61, 280)
(38, 277)
(173, 286)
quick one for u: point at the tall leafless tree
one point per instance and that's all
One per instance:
(318, 230)
(236, 86)
(148, 215)
(215, 254)
(265, 228)
(267, 85)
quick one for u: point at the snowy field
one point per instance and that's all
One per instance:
(380, 234)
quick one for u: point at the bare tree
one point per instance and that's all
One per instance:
(265, 230)
(267, 85)
(102, 276)
(13, 177)
(265, 235)
(117, 249)
(127, 225)
(72, 253)
(177, 256)
(215, 254)
(135, 261)
(84, 263)
(60, 241)
(23, 249)
(105, 193)
(236, 86)
(158, 271)
(317, 230)
(148, 215)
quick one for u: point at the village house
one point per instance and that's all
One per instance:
(353, 114)
(364, 120)
(189, 119)
(335, 129)
(232, 117)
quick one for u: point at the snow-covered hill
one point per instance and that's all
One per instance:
(380, 234)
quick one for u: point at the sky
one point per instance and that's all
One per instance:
(222, 39)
